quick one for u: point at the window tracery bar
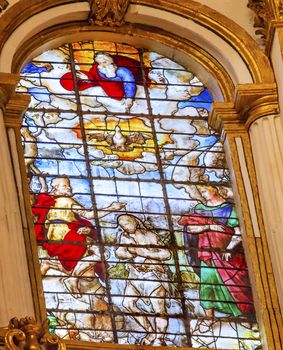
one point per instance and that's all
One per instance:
(138, 238)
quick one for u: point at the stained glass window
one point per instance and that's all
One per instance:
(138, 238)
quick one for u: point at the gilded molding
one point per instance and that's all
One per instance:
(275, 7)
(27, 334)
(8, 84)
(268, 17)
(84, 345)
(187, 47)
(15, 109)
(225, 28)
(224, 118)
(11, 103)
(108, 12)
(227, 116)
(252, 101)
(262, 18)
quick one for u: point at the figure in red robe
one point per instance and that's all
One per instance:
(62, 228)
(116, 75)
(212, 230)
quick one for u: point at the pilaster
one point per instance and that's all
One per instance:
(15, 289)
(236, 121)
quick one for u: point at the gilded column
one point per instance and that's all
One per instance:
(236, 123)
(15, 288)
(266, 130)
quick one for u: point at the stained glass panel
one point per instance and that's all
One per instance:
(138, 238)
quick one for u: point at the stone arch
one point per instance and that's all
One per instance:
(220, 36)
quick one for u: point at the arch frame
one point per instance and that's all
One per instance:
(174, 47)
(193, 12)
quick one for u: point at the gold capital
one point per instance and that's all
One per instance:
(15, 109)
(252, 101)
(12, 104)
(224, 117)
(8, 84)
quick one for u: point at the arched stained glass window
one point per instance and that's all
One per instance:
(138, 238)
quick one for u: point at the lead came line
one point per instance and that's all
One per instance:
(174, 248)
(92, 193)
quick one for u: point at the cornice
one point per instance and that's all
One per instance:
(8, 84)
(251, 102)
(11, 103)
(224, 117)
(15, 108)
(254, 101)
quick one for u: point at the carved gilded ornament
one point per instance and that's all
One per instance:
(3, 5)
(262, 16)
(27, 334)
(108, 12)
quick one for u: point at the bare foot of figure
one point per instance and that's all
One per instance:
(56, 265)
(44, 267)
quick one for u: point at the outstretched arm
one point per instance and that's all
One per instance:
(90, 215)
(115, 206)
(123, 253)
(128, 80)
(151, 253)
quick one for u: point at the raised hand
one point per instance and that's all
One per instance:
(81, 76)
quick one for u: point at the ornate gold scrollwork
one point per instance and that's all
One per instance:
(27, 334)
(262, 16)
(3, 5)
(108, 12)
